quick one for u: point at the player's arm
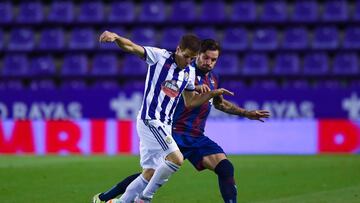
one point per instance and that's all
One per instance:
(124, 43)
(192, 99)
(228, 107)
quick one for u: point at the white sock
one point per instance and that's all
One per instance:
(161, 175)
(135, 188)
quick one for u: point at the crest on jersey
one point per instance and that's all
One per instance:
(186, 76)
(199, 78)
(168, 140)
(170, 88)
(212, 81)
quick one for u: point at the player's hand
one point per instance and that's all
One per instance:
(202, 88)
(108, 36)
(257, 115)
(222, 91)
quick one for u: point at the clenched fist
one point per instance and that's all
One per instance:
(107, 36)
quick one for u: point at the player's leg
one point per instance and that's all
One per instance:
(225, 172)
(167, 166)
(116, 190)
(137, 185)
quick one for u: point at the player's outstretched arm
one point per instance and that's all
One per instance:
(228, 107)
(192, 99)
(124, 43)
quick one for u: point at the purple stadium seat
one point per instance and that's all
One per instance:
(133, 66)
(91, 11)
(213, 11)
(232, 85)
(228, 64)
(235, 39)
(356, 15)
(13, 84)
(21, 39)
(205, 32)
(325, 38)
(15, 65)
(52, 39)
(316, 64)
(6, 12)
(105, 64)
(352, 38)
(30, 12)
(82, 38)
(243, 11)
(43, 66)
(335, 11)
(274, 11)
(122, 11)
(111, 46)
(144, 36)
(286, 64)
(255, 64)
(44, 84)
(152, 11)
(305, 11)
(346, 64)
(183, 11)
(265, 39)
(171, 37)
(295, 38)
(106, 84)
(75, 65)
(61, 12)
(74, 84)
(133, 85)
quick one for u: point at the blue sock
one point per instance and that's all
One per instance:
(118, 188)
(225, 172)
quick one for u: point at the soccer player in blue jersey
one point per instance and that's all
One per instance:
(189, 125)
(169, 79)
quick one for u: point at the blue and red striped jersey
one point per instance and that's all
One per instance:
(192, 121)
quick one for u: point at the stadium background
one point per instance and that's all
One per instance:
(61, 92)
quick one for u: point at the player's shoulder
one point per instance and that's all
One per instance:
(160, 51)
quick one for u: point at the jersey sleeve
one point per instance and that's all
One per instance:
(153, 54)
(191, 83)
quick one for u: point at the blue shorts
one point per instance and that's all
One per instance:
(195, 148)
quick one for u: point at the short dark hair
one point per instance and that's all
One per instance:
(209, 44)
(191, 42)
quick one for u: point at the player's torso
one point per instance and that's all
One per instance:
(192, 121)
(164, 85)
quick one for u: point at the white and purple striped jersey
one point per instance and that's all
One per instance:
(164, 84)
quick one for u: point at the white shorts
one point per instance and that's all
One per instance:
(156, 142)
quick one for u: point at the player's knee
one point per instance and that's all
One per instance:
(224, 169)
(176, 158)
(148, 173)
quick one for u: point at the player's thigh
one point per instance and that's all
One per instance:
(155, 143)
(212, 160)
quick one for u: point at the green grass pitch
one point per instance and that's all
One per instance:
(260, 179)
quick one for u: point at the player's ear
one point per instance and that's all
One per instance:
(178, 49)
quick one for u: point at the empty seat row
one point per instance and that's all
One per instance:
(138, 85)
(317, 63)
(72, 65)
(181, 11)
(234, 39)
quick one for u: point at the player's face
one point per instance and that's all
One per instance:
(206, 61)
(184, 57)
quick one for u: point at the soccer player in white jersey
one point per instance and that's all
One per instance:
(168, 78)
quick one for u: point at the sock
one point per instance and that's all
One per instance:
(161, 175)
(118, 188)
(135, 188)
(225, 172)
